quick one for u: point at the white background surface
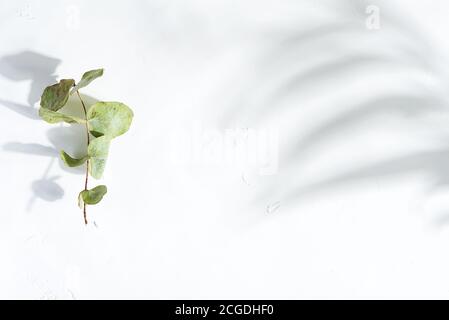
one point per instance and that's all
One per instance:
(358, 207)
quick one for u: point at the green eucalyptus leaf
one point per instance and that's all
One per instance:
(72, 162)
(87, 78)
(56, 96)
(56, 117)
(97, 152)
(92, 196)
(109, 118)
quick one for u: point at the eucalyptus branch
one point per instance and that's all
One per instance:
(87, 161)
(103, 120)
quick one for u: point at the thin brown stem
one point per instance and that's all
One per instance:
(87, 162)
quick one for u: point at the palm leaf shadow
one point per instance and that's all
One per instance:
(407, 50)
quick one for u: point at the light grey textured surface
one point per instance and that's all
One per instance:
(348, 200)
